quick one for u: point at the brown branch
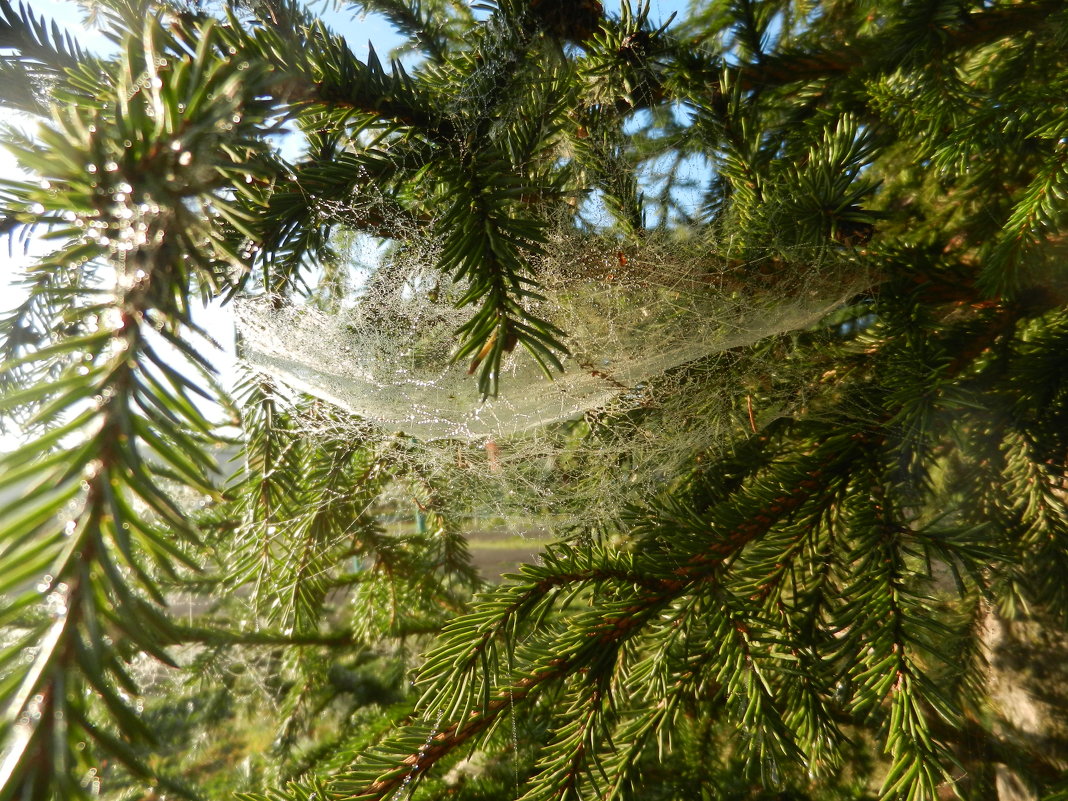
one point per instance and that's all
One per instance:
(609, 634)
(870, 53)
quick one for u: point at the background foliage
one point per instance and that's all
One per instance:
(860, 597)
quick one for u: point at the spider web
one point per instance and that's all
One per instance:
(661, 371)
(630, 316)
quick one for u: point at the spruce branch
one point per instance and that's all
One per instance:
(119, 416)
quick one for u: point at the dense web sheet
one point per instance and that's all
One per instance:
(631, 315)
(663, 371)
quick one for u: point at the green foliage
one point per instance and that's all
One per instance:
(806, 613)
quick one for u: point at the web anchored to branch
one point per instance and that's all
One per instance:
(632, 316)
(658, 337)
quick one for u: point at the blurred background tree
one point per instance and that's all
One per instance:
(843, 574)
